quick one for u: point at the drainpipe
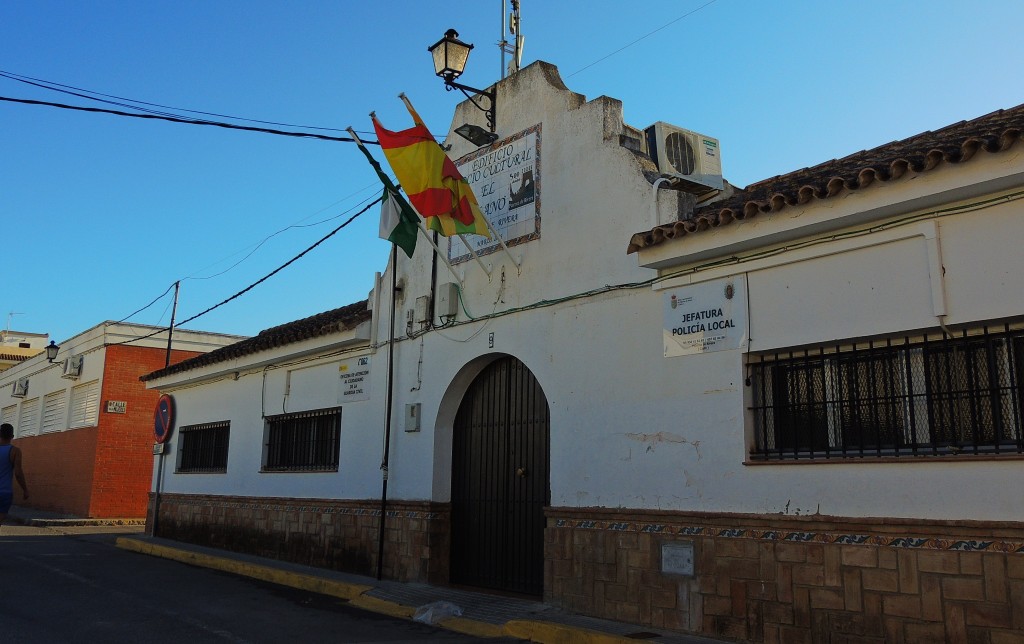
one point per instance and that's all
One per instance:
(654, 199)
(936, 274)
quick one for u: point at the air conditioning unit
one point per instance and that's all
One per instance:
(693, 159)
(73, 367)
(20, 388)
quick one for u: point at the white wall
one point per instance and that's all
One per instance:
(631, 428)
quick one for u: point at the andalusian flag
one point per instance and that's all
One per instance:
(435, 186)
(398, 221)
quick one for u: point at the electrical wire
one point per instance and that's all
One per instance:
(272, 235)
(173, 119)
(54, 86)
(283, 266)
(155, 300)
(737, 260)
(262, 279)
(647, 35)
(136, 104)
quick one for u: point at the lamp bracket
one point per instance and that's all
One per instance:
(450, 84)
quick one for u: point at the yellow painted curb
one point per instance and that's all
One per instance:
(329, 587)
(472, 627)
(383, 606)
(549, 633)
(544, 632)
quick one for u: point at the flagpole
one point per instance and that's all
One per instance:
(475, 256)
(501, 241)
(419, 217)
(387, 415)
(437, 250)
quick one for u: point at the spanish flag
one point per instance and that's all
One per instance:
(435, 186)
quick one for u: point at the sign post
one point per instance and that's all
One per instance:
(163, 425)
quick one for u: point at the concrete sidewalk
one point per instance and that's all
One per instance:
(45, 519)
(482, 614)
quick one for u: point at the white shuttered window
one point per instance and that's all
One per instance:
(28, 424)
(54, 406)
(9, 414)
(85, 404)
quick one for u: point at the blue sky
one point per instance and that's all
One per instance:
(103, 213)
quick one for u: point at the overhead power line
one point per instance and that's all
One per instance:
(647, 35)
(92, 95)
(264, 278)
(285, 265)
(174, 119)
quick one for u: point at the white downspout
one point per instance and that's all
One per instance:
(654, 200)
(936, 274)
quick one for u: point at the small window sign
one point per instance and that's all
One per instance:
(117, 406)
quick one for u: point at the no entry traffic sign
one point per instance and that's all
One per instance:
(163, 419)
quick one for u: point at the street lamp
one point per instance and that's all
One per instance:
(450, 56)
(51, 351)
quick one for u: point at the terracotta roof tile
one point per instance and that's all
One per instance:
(957, 143)
(341, 319)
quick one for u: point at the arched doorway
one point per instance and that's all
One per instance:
(500, 481)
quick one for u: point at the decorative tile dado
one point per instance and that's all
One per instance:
(315, 509)
(1016, 547)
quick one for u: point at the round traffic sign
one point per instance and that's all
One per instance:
(163, 419)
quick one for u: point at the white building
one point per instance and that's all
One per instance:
(18, 346)
(797, 411)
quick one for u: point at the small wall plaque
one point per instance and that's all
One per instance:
(117, 406)
(677, 558)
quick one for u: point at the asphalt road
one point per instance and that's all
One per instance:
(73, 585)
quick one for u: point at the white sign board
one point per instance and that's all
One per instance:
(355, 379)
(700, 318)
(505, 178)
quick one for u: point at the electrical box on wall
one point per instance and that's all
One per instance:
(423, 309)
(412, 417)
(448, 300)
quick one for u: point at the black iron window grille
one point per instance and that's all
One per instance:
(204, 448)
(920, 396)
(303, 442)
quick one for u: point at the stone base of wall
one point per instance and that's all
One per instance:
(341, 535)
(772, 578)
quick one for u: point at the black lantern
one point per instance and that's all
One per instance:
(51, 351)
(450, 56)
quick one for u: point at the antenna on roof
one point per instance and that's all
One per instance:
(515, 48)
(7, 331)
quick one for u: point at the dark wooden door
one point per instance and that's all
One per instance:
(500, 486)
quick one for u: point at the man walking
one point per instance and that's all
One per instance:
(10, 468)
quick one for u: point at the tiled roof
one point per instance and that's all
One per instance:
(347, 317)
(957, 143)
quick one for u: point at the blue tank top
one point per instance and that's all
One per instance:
(6, 471)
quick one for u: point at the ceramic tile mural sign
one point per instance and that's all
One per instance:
(355, 379)
(705, 317)
(505, 178)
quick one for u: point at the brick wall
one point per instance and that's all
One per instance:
(793, 579)
(341, 535)
(124, 449)
(59, 470)
(102, 471)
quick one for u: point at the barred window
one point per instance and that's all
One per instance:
(932, 395)
(204, 448)
(303, 442)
